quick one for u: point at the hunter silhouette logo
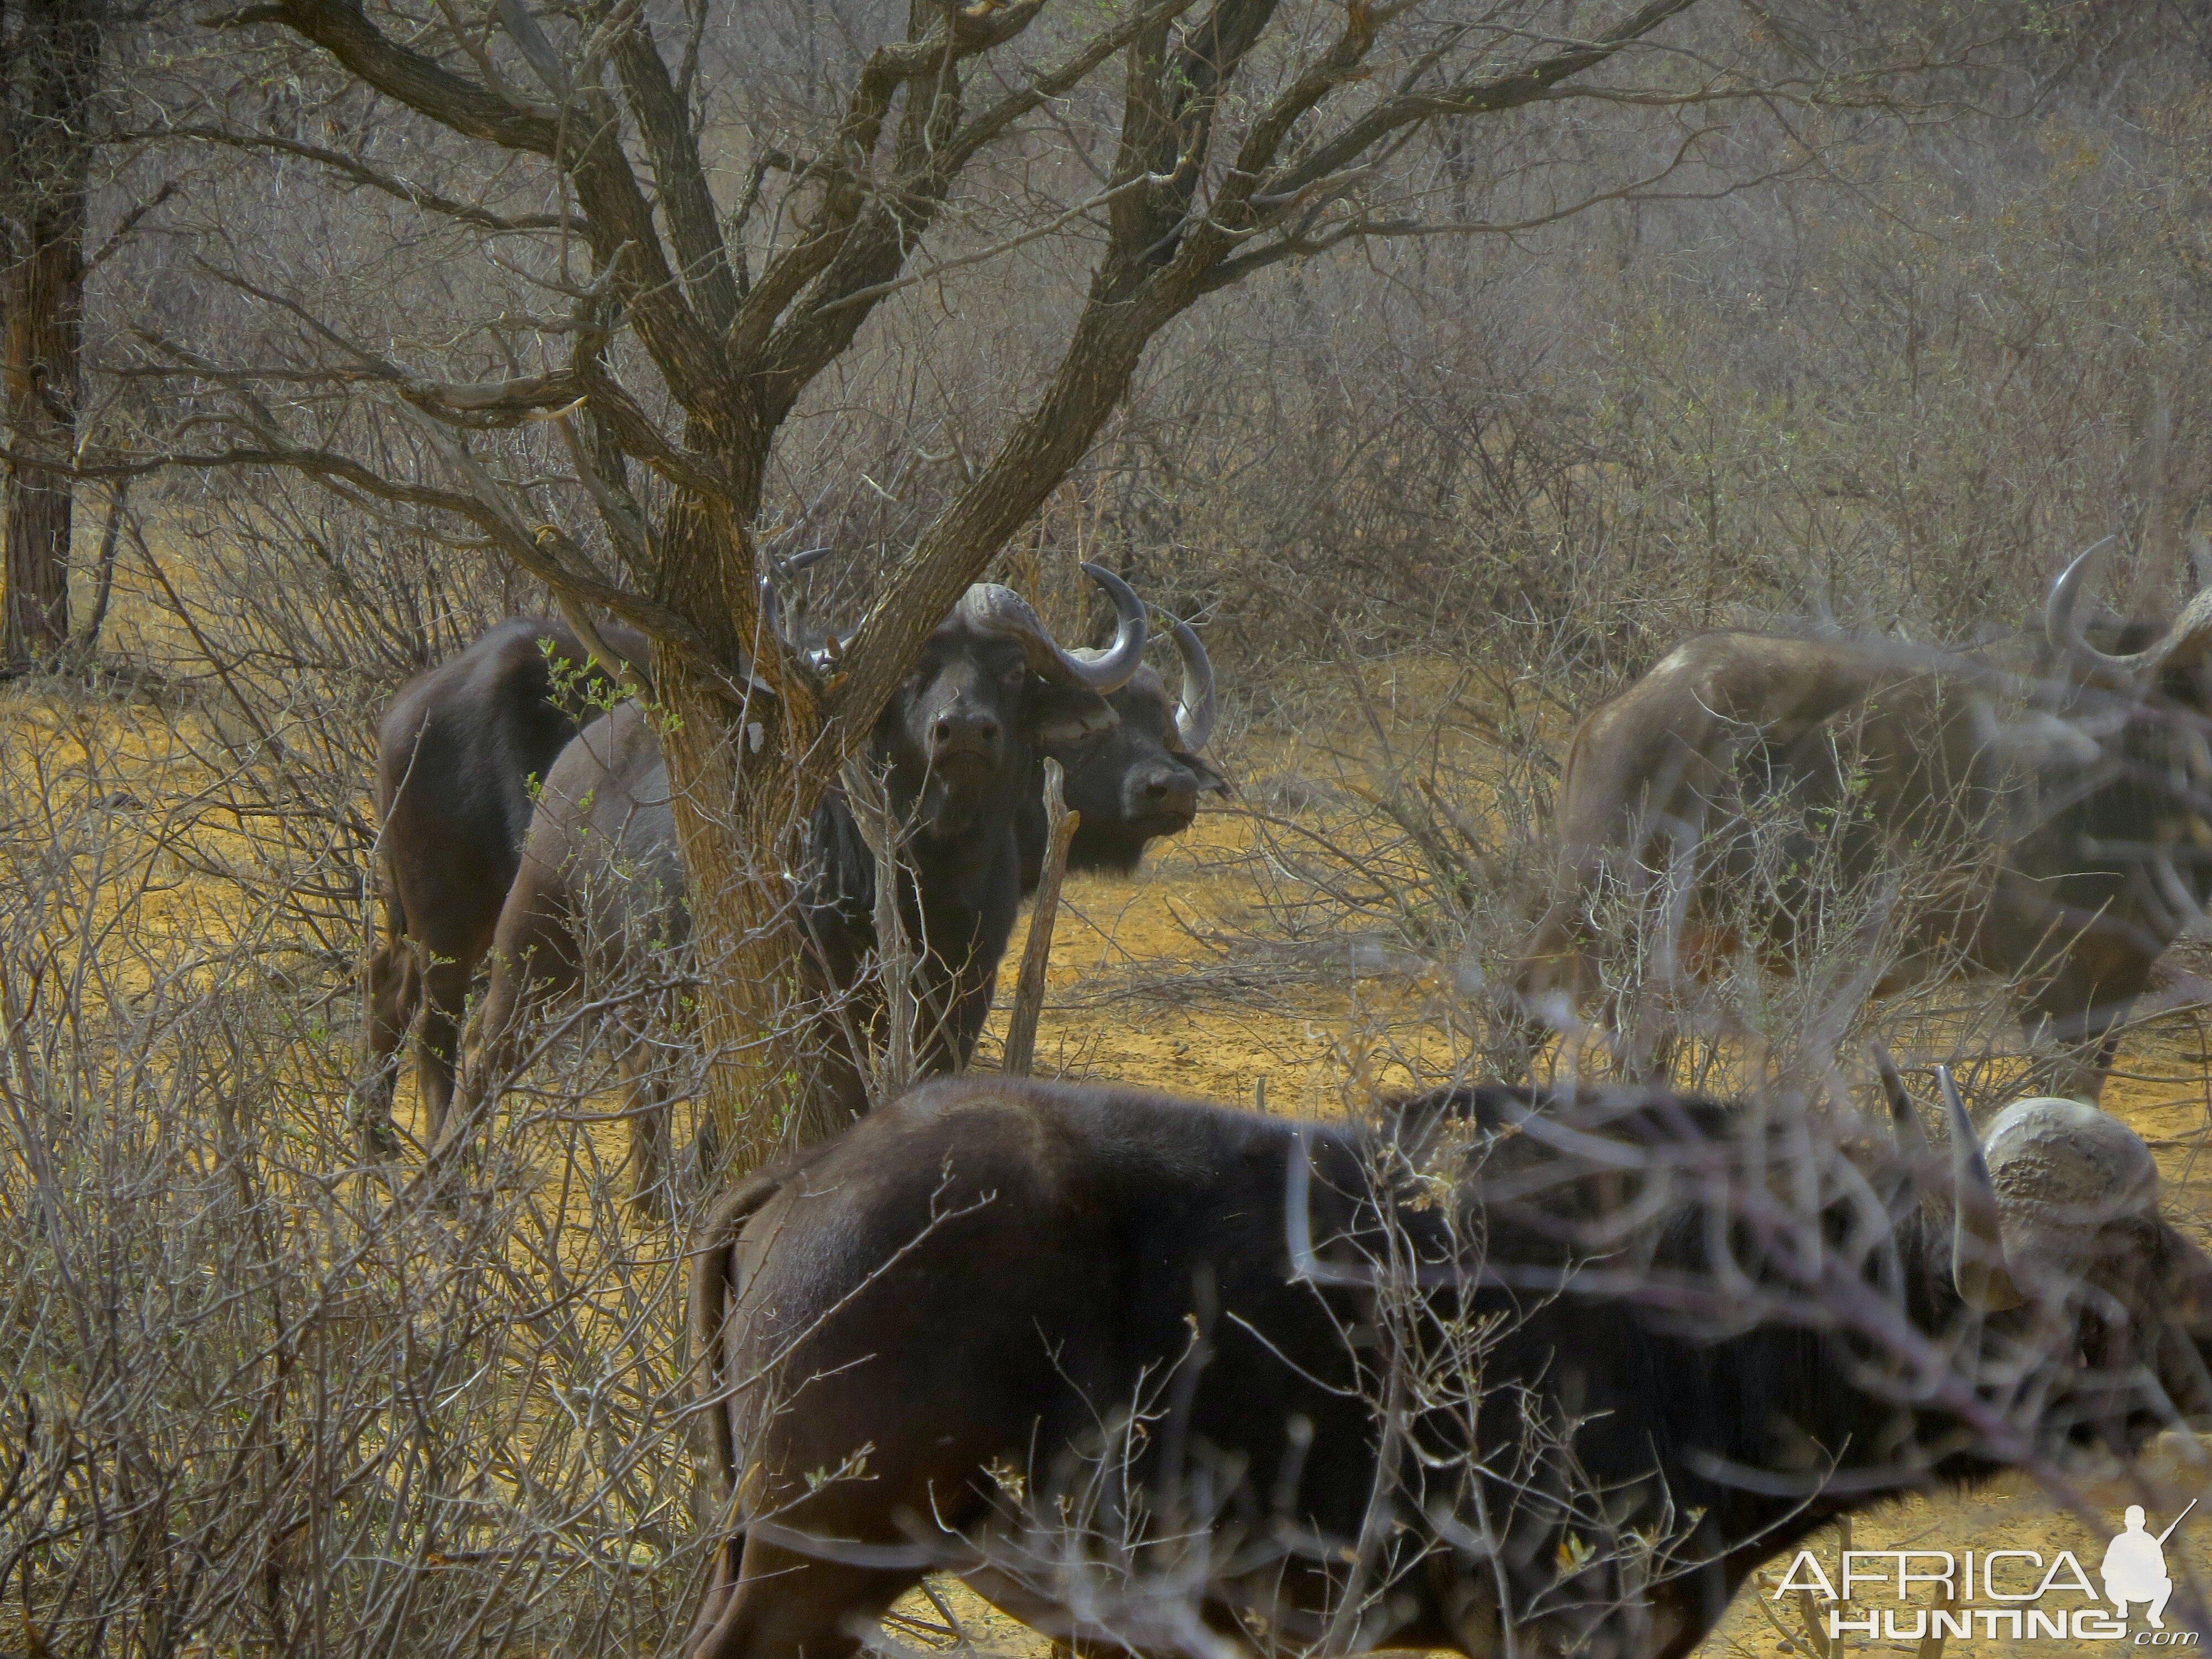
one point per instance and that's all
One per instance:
(2134, 1566)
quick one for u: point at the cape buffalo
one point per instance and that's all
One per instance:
(2060, 821)
(456, 755)
(959, 742)
(1139, 782)
(1158, 1376)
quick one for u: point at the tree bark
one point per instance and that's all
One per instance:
(747, 764)
(743, 837)
(44, 157)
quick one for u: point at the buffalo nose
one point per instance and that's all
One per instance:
(964, 734)
(1166, 792)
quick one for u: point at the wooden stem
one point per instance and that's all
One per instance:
(1036, 955)
(868, 792)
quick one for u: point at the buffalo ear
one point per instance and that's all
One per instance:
(1209, 780)
(1059, 717)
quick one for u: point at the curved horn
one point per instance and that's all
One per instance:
(1978, 1268)
(1904, 1116)
(1194, 711)
(772, 612)
(2060, 625)
(790, 625)
(2185, 642)
(992, 609)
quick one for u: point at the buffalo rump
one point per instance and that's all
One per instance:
(457, 755)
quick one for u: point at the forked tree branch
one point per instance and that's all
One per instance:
(685, 199)
(586, 143)
(735, 362)
(1478, 96)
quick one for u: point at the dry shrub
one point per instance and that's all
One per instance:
(262, 1397)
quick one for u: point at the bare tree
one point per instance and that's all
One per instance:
(49, 70)
(1219, 138)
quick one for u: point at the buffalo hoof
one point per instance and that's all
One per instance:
(380, 1142)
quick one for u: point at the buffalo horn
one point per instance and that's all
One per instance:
(1978, 1268)
(2187, 911)
(992, 609)
(2059, 625)
(1904, 1116)
(2182, 645)
(1194, 710)
(790, 625)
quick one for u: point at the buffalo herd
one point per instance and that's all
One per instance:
(1499, 1369)
(516, 841)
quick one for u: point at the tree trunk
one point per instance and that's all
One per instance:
(743, 844)
(745, 776)
(45, 156)
(38, 563)
(741, 810)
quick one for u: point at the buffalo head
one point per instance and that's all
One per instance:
(991, 687)
(2056, 1231)
(1141, 780)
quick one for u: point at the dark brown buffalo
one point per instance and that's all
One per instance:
(601, 882)
(456, 756)
(2061, 822)
(1124, 1362)
(1140, 782)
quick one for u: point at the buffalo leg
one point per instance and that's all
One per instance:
(646, 1106)
(498, 1042)
(1652, 1063)
(1552, 983)
(952, 1041)
(532, 957)
(393, 990)
(438, 1042)
(2074, 1072)
(779, 1605)
(951, 1008)
(2074, 1023)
